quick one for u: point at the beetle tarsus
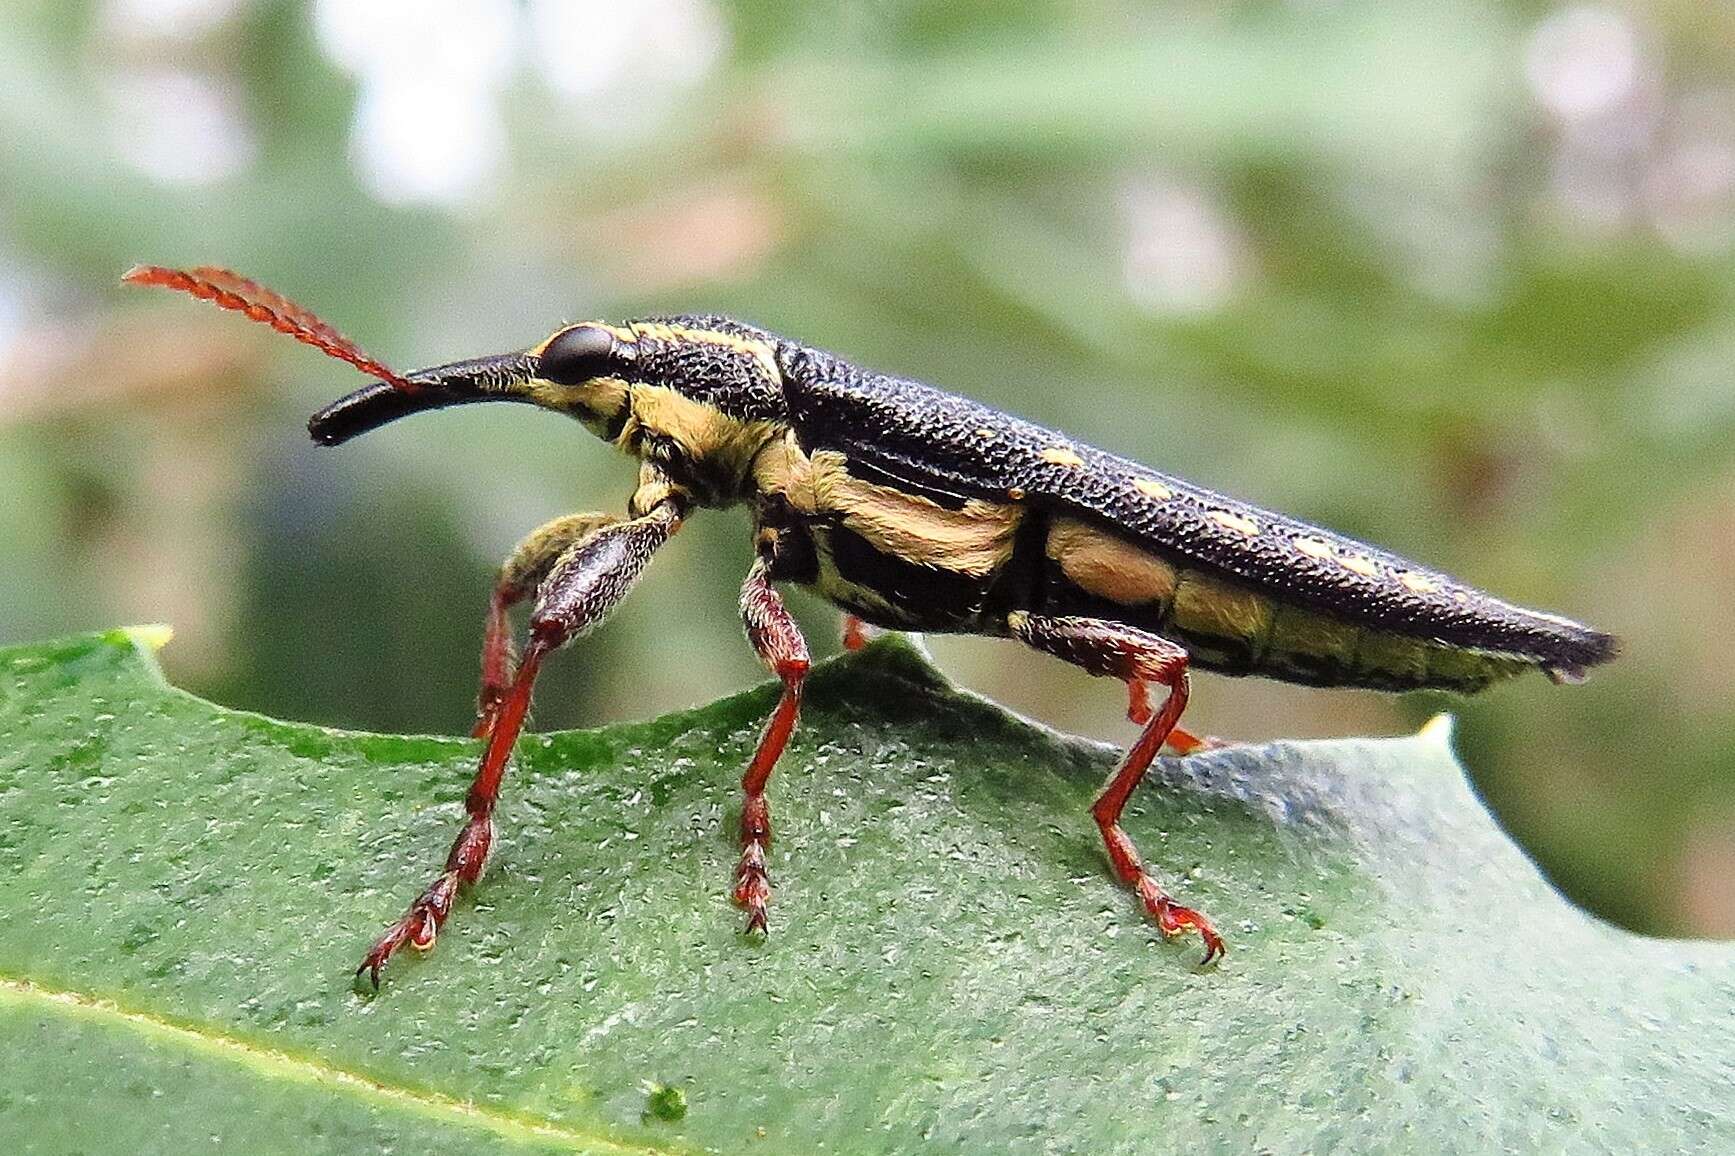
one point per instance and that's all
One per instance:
(753, 885)
(1172, 919)
(752, 881)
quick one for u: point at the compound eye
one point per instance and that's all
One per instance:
(574, 356)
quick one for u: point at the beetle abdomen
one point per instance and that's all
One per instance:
(1231, 627)
(946, 444)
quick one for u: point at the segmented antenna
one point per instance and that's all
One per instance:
(229, 290)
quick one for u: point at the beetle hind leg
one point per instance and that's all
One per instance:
(1182, 742)
(1135, 657)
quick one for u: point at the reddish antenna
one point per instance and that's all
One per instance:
(229, 290)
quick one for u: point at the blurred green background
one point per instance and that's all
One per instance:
(1456, 277)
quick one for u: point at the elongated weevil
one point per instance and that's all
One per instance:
(911, 509)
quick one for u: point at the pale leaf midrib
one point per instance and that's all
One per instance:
(280, 1065)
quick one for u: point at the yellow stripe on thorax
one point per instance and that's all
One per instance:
(760, 351)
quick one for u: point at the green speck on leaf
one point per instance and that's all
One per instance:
(664, 1102)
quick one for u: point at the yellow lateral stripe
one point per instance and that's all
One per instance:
(283, 1065)
(1107, 566)
(975, 540)
(703, 430)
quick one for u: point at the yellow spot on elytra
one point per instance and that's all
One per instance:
(1016, 493)
(1313, 547)
(1152, 489)
(1061, 456)
(1236, 522)
(1420, 583)
(1359, 564)
(985, 433)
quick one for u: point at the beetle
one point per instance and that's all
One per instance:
(911, 509)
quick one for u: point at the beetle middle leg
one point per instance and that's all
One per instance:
(1134, 656)
(582, 586)
(778, 642)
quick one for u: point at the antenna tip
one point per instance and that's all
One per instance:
(146, 275)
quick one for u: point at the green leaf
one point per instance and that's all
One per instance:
(951, 965)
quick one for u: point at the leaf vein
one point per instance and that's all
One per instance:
(280, 1064)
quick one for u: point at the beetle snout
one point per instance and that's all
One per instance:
(369, 408)
(499, 378)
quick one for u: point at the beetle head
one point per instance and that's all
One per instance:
(643, 385)
(579, 371)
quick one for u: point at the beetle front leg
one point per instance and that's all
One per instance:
(780, 646)
(519, 576)
(1133, 656)
(583, 585)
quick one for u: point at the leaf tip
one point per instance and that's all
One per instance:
(1438, 729)
(151, 636)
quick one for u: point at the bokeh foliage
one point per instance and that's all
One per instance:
(1344, 260)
